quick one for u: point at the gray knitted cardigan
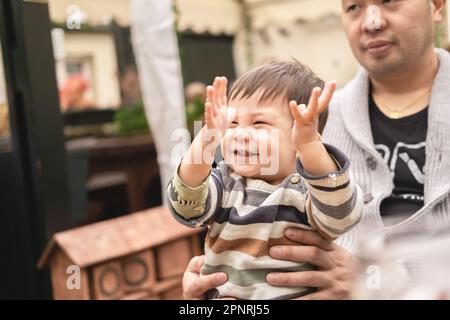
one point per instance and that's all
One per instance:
(348, 128)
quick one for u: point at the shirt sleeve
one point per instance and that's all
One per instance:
(194, 207)
(334, 203)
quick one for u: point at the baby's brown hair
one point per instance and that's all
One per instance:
(291, 79)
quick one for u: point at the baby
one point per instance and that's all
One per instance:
(276, 174)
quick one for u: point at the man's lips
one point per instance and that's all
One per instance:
(378, 46)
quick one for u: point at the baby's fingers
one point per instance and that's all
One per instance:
(313, 104)
(210, 94)
(326, 95)
(217, 84)
(296, 111)
(209, 113)
(210, 97)
(223, 91)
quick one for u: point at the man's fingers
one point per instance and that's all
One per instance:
(191, 274)
(309, 238)
(198, 287)
(317, 279)
(302, 254)
(195, 264)
(198, 263)
(194, 286)
(326, 95)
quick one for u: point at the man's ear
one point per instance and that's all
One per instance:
(437, 7)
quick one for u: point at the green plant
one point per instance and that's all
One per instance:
(131, 119)
(194, 112)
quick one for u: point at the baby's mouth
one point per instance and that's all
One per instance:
(242, 153)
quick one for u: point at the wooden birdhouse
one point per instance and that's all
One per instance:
(138, 256)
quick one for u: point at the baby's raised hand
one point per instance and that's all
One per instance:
(217, 114)
(306, 119)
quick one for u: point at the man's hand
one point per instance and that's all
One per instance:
(194, 286)
(306, 119)
(336, 266)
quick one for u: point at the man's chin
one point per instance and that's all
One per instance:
(383, 65)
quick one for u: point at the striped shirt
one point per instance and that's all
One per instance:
(245, 217)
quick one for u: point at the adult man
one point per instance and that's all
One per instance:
(392, 120)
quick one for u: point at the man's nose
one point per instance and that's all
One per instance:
(373, 20)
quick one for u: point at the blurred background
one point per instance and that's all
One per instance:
(88, 91)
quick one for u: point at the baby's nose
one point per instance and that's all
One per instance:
(243, 134)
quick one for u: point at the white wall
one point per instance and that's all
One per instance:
(102, 52)
(330, 54)
(322, 46)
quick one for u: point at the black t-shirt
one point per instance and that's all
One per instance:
(401, 143)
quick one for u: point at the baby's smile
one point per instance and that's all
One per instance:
(245, 157)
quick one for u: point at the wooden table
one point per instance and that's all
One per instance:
(133, 155)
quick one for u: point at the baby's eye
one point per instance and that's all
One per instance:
(233, 124)
(260, 123)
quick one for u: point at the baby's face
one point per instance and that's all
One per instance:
(258, 143)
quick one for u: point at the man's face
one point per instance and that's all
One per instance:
(390, 36)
